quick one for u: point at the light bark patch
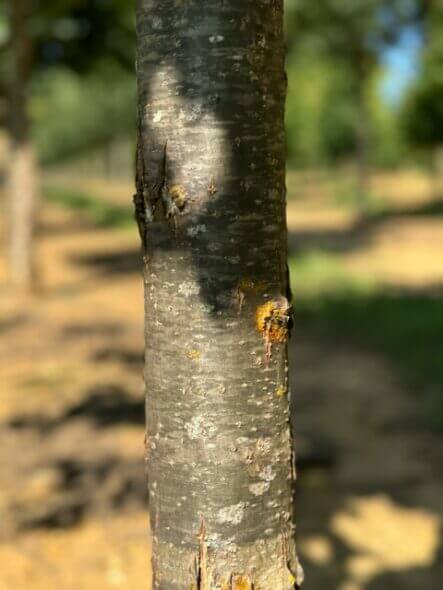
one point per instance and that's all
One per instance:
(198, 427)
(232, 514)
(258, 489)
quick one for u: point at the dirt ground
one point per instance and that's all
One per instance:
(73, 510)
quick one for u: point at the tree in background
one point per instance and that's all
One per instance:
(423, 109)
(49, 34)
(210, 205)
(22, 174)
(351, 34)
(319, 114)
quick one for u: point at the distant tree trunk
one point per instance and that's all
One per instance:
(210, 205)
(362, 150)
(23, 169)
(438, 171)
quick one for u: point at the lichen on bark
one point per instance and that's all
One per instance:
(211, 90)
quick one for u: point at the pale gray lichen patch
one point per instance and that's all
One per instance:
(157, 23)
(198, 427)
(193, 113)
(188, 288)
(264, 445)
(231, 514)
(196, 230)
(267, 474)
(258, 489)
(217, 541)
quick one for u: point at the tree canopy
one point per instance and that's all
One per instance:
(423, 113)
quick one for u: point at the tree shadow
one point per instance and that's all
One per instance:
(425, 578)
(111, 264)
(367, 379)
(103, 406)
(78, 470)
(86, 488)
(105, 329)
(361, 233)
(431, 208)
(13, 322)
(128, 358)
(402, 327)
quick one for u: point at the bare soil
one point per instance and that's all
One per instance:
(73, 508)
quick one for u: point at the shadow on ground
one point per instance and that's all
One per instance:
(367, 382)
(361, 233)
(74, 464)
(112, 264)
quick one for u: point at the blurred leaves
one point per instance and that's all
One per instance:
(423, 111)
(77, 32)
(83, 90)
(73, 113)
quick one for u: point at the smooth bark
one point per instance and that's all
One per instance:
(23, 167)
(210, 205)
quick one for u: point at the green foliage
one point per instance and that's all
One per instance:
(423, 110)
(388, 145)
(349, 31)
(317, 274)
(74, 34)
(77, 32)
(73, 113)
(320, 110)
(322, 114)
(331, 100)
(100, 212)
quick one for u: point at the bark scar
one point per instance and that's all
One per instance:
(146, 197)
(273, 321)
(202, 559)
(173, 196)
(143, 211)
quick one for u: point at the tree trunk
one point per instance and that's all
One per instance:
(438, 172)
(362, 142)
(210, 205)
(23, 168)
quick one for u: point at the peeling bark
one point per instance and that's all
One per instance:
(210, 206)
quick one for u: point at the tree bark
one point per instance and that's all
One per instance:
(210, 206)
(23, 167)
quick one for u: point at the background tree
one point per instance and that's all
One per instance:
(423, 109)
(71, 33)
(22, 177)
(210, 204)
(351, 34)
(320, 111)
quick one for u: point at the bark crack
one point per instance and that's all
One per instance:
(146, 197)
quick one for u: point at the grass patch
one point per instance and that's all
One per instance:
(100, 212)
(406, 329)
(316, 274)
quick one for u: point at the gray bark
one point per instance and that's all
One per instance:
(210, 205)
(23, 168)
